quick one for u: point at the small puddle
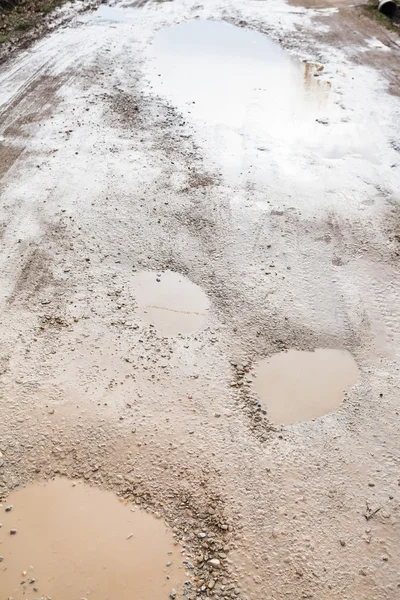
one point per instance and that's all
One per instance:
(170, 302)
(240, 81)
(76, 542)
(108, 13)
(299, 386)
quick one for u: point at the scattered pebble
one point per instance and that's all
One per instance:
(13, 531)
(215, 562)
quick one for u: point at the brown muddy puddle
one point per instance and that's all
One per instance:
(170, 302)
(241, 83)
(299, 386)
(74, 542)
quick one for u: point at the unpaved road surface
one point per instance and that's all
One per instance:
(206, 144)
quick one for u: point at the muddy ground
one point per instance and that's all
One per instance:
(295, 242)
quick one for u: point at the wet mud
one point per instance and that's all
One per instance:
(243, 155)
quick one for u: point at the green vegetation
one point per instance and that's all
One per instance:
(19, 16)
(47, 9)
(371, 10)
(24, 24)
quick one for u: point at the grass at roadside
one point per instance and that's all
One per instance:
(371, 10)
(19, 16)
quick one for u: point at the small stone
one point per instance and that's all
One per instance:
(202, 535)
(215, 562)
(32, 580)
(9, 508)
(342, 543)
(211, 584)
(13, 531)
(173, 595)
(363, 572)
(1, 559)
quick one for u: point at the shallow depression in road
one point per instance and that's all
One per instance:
(299, 386)
(238, 80)
(79, 542)
(170, 302)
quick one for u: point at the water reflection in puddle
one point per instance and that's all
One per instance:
(241, 83)
(170, 301)
(108, 13)
(78, 542)
(299, 386)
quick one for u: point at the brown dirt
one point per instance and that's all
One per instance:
(104, 179)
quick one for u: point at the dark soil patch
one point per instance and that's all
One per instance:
(19, 16)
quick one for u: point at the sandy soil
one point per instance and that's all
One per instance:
(296, 247)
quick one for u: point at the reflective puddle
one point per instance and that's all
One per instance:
(299, 386)
(170, 302)
(76, 542)
(108, 13)
(241, 83)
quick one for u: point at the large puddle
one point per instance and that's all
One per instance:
(74, 542)
(170, 302)
(299, 386)
(241, 83)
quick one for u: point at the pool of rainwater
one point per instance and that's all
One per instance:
(297, 386)
(67, 540)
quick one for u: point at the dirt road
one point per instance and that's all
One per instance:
(186, 190)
